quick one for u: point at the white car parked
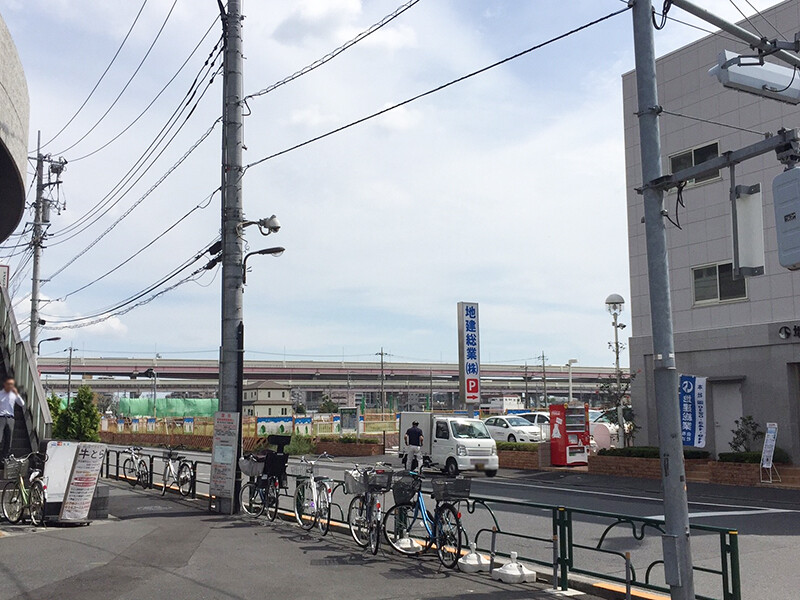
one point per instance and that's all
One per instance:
(541, 419)
(512, 428)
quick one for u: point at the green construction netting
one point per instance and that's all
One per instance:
(168, 407)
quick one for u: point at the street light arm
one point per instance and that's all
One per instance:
(276, 251)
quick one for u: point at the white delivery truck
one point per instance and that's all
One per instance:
(452, 443)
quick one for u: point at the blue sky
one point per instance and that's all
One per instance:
(507, 189)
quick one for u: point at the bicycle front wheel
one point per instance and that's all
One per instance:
(272, 498)
(357, 520)
(324, 508)
(404, 529)
(305, 511)
(251, 499)
(36, 503)
(143, 474)
(165, 479)
(129, 471)
(374, 530)
(448, 535)
(185, 477)
(12, 502)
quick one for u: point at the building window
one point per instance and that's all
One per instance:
(269, 394)
(694, 157)
(715, 283)
(269, 411)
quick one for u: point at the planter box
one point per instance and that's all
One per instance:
(348, 449)
(735, 473)
(510, 459)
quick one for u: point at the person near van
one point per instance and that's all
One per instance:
(9, 396)
(414, 439)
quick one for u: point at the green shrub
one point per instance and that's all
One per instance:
(651, 452)
(348, 439)
(517, 447)
(300, 444)
(780, 457)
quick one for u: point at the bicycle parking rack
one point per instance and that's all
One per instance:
(560, 537)
(117, 467)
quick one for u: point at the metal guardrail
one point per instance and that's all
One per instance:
(20, 363)
(114, 471)
(560, 538)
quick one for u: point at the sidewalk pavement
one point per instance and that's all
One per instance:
(172, 548)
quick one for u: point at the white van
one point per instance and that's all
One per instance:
(452, 443)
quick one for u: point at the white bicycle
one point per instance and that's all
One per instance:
(312, 497)
(177, 470)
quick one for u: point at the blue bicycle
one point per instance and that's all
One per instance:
(411, 529)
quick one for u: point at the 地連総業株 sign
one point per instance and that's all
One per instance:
(770, 439)
(692, 397)
(469, 353)
(82, 482)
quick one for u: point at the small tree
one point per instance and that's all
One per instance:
(54, 404)
(328, 406)
(612, 394)
(300, 409)
(747, 432)
(80, 421)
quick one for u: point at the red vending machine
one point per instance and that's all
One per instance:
(569, 435)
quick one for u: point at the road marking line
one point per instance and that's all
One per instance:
(729, 513)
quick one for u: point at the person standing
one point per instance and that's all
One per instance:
(9, 396)
(414, 439)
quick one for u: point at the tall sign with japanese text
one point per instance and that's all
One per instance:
(469, 353)
(769, 445)
(82, 482)
(692, 394)
(224, 454)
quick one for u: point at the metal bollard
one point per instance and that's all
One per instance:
(493, 550)
(627, 576)
(555, 561)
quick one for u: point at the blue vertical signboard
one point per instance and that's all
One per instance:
(469, 353)
(693, 410)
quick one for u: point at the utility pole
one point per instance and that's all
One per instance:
(675, 541)
(383, 386)
(37, 243)
(527, 400)
(544, 378)
(69, 377)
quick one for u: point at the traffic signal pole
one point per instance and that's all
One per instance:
(676, 540)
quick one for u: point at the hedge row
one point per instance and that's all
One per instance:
(780, 457)
(651, 452)
(517, 447)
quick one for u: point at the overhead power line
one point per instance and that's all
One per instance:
(759, 13)
(204, 204)
(108, 201)
(439, 88)
(334, 53)
(127, 84)
(102, 76)
(180, 161)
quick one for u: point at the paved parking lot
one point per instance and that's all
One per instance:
(170, 548)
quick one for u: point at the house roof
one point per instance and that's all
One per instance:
(266, 385)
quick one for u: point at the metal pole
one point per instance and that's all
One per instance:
(232, 287)
(36, 242)
(569, 365)
(383, 388)
(155, 393)
(620, 411)
(527, 399)
(544, 380)
(69, 377)
(676, 542)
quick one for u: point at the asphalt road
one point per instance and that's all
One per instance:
(767, 520)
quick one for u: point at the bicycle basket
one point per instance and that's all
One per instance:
(16, 467)
(354, 483)
(451, 489)
(250, 466)
(405, 487)
(299, 470)
(379, 480)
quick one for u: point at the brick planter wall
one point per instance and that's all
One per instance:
(735, 473)
(646, 468)
(510, 459)
(340, 449)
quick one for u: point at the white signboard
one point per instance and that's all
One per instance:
(4, 275)
(224, 454)
(82, 482)
(57, 469)
(769, 445)
(469, 353)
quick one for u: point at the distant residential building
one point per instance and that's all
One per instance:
(742, 334)
(267, 399)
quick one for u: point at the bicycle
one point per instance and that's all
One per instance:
(267, 476)
(135, 468)
(411, 529)
(20, 495)
(312, 497)
(364, 512)
(178, 469)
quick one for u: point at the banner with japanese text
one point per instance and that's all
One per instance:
(692, 394)
(469, 353)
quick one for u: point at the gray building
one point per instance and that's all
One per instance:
(730, 330)
(14, 109)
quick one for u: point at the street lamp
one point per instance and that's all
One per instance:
(615, 304)
(276, 252)
(39, 345)
(570, 362)
(154, 376)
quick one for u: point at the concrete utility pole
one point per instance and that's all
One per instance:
(544, 378)
(37, 243)
(232, 274)
(675, 541)
(69, 377)
(383, 385)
